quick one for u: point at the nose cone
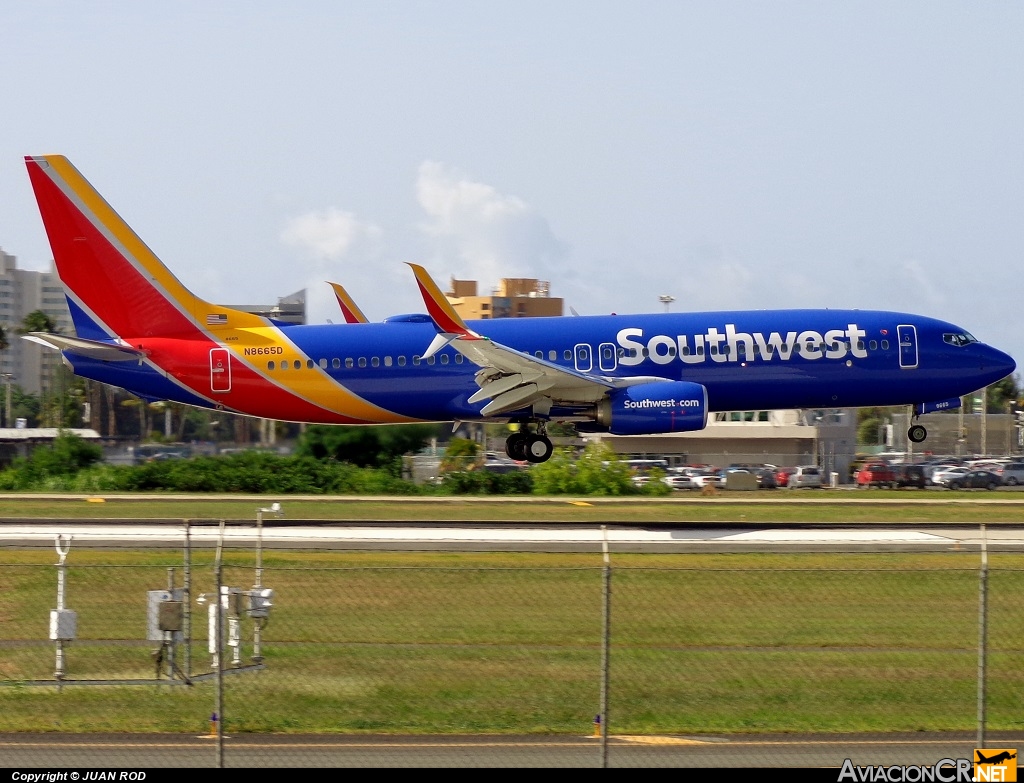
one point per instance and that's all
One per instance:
(996, 365)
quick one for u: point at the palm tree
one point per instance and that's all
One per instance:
(38, 321)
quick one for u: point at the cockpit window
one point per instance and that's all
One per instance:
(958, 338)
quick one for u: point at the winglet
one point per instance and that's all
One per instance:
(349, 309)
(440, 309)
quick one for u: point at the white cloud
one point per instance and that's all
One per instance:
(481, 233)
(330, 234)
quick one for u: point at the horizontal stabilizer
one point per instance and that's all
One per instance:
(93, 349)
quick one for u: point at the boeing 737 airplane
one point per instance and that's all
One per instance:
(139, 328)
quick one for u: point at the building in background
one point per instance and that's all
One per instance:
(515, 297)
(289, 309)
(29, 365)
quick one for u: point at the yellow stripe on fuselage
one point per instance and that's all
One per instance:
(312, 384)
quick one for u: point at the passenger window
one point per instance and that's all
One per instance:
(387, 361)
(270, 365)
(431, 360)
(336, 363)
(297, 365)
(362, 361)
(567, 355)
(700, 350)
(401, 361)
(284, 365)
(885, 345)
(416, 360)
(458, 358)
(552, 355)
(873, 344)
(444, 358)
(646, 353)
(685, 351)
(539, 354)
(323, 364)
(348, 364)
(309, 364)
(375, 361)
(860, 345)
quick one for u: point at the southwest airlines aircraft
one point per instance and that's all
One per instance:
(139, 328)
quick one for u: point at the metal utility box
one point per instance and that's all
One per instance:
(260, 601)
(63, 625)
(165, 611)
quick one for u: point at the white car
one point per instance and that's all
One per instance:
(701, 480)
(942, 476)
(679, 481)
(805, 476)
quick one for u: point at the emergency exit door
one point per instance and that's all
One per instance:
(220, 370)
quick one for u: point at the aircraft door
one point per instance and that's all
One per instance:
(907, 335)
(607, 359)
(220, 370)
(584, 358)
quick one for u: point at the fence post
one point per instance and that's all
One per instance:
(982, 635)
(187, 593)
(219, 615)
(606, 635)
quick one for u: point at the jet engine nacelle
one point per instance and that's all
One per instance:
(653, 408)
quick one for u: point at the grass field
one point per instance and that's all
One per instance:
(510, 643)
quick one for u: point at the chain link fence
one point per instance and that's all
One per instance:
(497, 659)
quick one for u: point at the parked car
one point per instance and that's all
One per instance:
(766, 479)
(709, 479)
(1011, 473)
(782, 476)
(679, 481)
(804, 476)
(975, 479)
(942, 476)
(876, 474)
(911, 476)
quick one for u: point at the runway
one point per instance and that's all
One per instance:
(555, 538)
(823, 751)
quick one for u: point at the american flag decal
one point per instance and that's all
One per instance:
(216, 318)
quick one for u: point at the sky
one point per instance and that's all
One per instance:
(732, 155)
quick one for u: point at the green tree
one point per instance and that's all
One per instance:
(38, 321)
(459, 454)
(370, 446)
(1002, 392)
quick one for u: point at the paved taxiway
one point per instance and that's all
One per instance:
(552, 537)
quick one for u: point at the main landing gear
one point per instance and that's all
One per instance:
(917, 434)
(529, 446)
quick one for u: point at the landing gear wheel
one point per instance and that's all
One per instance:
(917, 433)
(538, 449)
(515, 446)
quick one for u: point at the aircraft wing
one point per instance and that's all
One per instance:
(349, 309)
(510, 379)
(93, 349)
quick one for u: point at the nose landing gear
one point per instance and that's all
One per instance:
(917, 434)
(530, 446)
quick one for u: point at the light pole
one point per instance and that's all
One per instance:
(666, 299)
